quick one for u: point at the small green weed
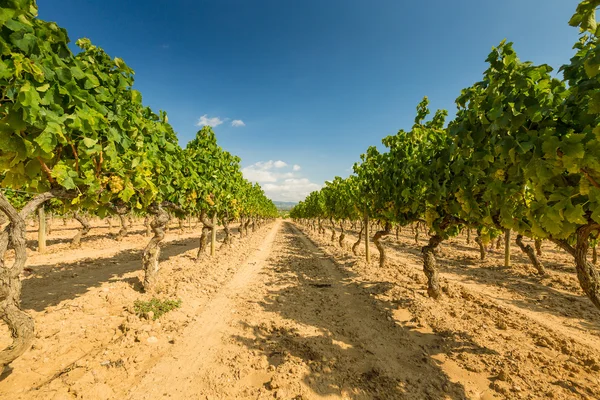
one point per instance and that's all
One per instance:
(157, 306)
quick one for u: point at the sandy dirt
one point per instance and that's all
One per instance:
(286, 314)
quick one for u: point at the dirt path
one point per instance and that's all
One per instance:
(527, 339)
(291, 325)
(188, 358)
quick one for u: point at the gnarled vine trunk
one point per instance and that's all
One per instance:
(417, 234)
(469, 236)
(481, 247)
(376, 240)
(531, 254)
(241, 227)
(538, 247)
(151, 253)
(207, 228)
(19, 323)
(587, 274)
(123, 231)
(342, 234)
(360, 233)
(49, 223)
(85, 229)
(246, 226)
(147, 225)
(225, 221)
(430, 266)
(332, 230)
(203, 242)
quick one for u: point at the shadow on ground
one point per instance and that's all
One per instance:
(51, 284)
(529, 291)
(355, 348)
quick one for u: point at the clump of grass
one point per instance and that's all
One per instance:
(155, 306)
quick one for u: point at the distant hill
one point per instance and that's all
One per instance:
(284, 205)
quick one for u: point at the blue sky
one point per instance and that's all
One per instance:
(314, 82)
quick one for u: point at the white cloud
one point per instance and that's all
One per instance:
(267, 165)
(260, 172)
(258, 175)
(205, 120)
(278, 182)
(292, 189)
(237, 123)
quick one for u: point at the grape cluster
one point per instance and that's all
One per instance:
(114, 182)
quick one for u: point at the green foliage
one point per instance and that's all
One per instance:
(74, 122)
(521, 153)
(156, 306)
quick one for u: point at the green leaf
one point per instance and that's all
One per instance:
(62, 173)
(89, 142)
(127, 192)
(43, 87)
(33, 168)
(591, 68)
(77, 73)
(91, 82)
(64, 75)
(575, 214)
(46, 140)
(24, 43)
(573, 150)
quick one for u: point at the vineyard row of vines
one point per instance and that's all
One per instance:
(75, 136)
(521, 155)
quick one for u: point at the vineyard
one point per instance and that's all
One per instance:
(458, 260)
(522, 155)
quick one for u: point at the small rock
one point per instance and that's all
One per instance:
(499, 388)
(152, 339)
(141, 336)
(542, 342)
(504, 375)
